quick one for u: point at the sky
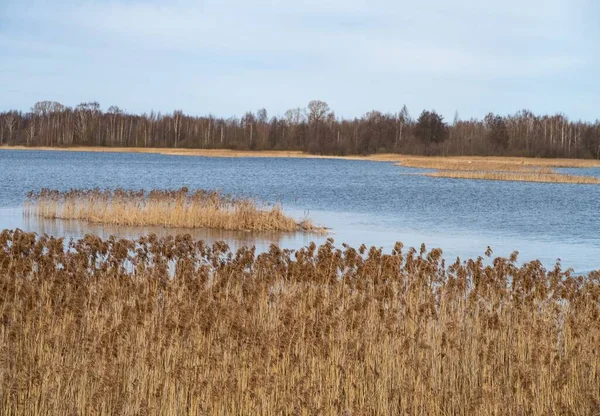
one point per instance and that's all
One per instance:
(231, 56)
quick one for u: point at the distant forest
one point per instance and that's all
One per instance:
(314, 129)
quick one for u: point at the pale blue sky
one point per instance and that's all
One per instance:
(227, 57)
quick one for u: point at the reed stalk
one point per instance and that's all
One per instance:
(176, 208)
(173, 326)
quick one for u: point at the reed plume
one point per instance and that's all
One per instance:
(173, 326)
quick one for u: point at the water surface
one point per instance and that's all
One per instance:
(366, 202)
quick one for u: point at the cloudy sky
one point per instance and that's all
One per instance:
(229, 56)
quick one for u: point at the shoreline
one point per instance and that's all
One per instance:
(223, 153)
(469, 167)
(528, 176)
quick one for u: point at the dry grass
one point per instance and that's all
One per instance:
(503, 168)
(103, 327)
(518, 176)
(177, 208)
(497, 164)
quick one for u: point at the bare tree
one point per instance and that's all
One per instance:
(10, 120)
(31, 130)
(402, 120)
(317, 112)
(177, 120)
(315, 129)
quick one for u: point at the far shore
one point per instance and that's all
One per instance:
(201, 152)
(471, 167)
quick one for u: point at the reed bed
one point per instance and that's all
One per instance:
(169, 208)
(502, 168)
(173, 326)
(517, 176)
(496, 164)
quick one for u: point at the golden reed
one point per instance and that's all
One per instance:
(173, 326)
(169, 208)
(541, 176)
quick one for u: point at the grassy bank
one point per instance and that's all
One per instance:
(177, 208)
(104, 327)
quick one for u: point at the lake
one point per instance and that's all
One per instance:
(372, 203)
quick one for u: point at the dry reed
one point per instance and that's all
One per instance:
(517, 176)
(172, 326)
(177, 208)
(503, 168)
(496, 164)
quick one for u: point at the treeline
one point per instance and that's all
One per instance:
(314, 129)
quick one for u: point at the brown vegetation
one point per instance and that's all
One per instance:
(171, 326)
(496, 164)
(526, 176)
(503, 168)
(177, 208)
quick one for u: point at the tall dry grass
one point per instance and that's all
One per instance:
(516, 169)
(524, 176)
(494, 163)
(172, 326)
(169, 208)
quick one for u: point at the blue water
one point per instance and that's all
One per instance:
(363, 202)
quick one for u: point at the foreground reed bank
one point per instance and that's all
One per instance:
(175, 208)
(461, 167)
(172, 326)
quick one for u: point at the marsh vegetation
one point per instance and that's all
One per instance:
(173, 326)
(169, 208)
(502, 168)
(490, 163)
(535, 176)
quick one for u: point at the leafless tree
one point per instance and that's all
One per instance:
(314, 129)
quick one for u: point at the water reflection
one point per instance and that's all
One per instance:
(351, 228)
(235, 239)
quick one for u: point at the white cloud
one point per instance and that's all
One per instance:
(381, 50)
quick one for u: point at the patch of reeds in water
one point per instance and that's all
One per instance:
(502, 168)
(173, 326)
(169, 208)
(545, 177)
(494, 163)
